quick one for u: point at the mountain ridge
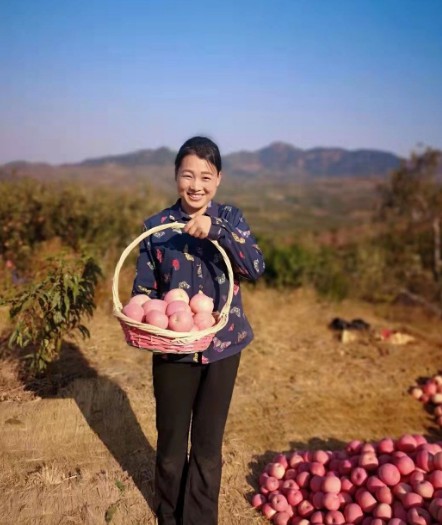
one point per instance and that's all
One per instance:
(279, 160)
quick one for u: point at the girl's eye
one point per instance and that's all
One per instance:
(206, 179)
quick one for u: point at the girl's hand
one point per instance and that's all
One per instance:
(198, 227)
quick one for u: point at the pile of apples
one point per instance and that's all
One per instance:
(176, 311)
(388, 482)
(430, 393)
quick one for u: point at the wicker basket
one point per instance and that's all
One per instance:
(143, 335)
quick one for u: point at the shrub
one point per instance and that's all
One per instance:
(47, 310)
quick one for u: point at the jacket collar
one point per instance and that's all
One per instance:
(176, 212)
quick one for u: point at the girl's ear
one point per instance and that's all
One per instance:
(219, 177)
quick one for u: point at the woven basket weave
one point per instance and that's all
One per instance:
(143, 335)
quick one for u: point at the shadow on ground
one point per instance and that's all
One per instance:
(106, 408)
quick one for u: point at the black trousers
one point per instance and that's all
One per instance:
(192, 403)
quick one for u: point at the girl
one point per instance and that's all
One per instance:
(193, 391)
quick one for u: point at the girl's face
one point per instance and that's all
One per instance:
(197, 181)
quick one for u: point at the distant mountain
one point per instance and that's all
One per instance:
(278, 161)
(145, 157)
(287, 161)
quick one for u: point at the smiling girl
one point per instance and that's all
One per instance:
(193, 391)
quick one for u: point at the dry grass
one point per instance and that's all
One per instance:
(85, 455)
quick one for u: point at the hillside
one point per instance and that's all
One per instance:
(283, 190)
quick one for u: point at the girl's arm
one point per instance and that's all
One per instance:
(233, 234)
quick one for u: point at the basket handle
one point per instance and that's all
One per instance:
(224, 314)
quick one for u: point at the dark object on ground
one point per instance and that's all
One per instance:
(358, 324)
(341, 324)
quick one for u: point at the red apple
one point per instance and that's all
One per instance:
(289, 484)
(258, 500)
(366, 501)
(382, 511)
(317, 499)
(411, 499)
(353, 513)
(268, 510)
(358, 476)
(139, 299)
(424, 489)
(405, 465)
(155, 304)
(334, 517)
(281, 518)
(279, 458)
(294, 497)
(181, 321)
(331, 501)
(384, 495)
(295, 459)
(156, 318)
(317, 518)
(321, 456)
(276, 470)
(406, 443)
(201, 302)
(435, 478)
(134, 311)
(437, 461)
(176, 294)
(205, 320)
(278, 502)
(385, 446)
(331, 484)
(176, 306)
(418, 516)
(368, 461)
(373, 482)
(316, 483)
(389, 474)
(305, 508)
(271, 483)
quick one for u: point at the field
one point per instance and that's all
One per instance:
(84, 454)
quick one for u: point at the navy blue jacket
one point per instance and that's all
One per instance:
(174, 259)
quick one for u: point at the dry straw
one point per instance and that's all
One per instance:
(143, 335)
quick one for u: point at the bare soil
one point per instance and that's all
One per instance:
(80, 449)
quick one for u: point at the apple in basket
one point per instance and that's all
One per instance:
(201, 302)
(176, 294)
(155, 304)
(139, 299)
(176, 306)
(203, 320)
(181, 321)
(134, 311)
(156, 318)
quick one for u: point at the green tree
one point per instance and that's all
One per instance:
(411, 200)
(52, 307)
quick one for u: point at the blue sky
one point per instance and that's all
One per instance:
(85, 78)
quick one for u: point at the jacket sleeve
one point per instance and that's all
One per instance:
(233, 234)
(146, 277)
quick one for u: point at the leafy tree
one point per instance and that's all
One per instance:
(46, 311)
(412, 200)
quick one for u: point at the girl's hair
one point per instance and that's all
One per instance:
(203, 148)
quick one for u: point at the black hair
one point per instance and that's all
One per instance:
(203, 148)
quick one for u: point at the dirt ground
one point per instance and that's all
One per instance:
(85, 454)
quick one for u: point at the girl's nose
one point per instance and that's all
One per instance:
(196, 184)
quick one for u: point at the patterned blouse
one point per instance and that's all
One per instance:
(174, 259)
